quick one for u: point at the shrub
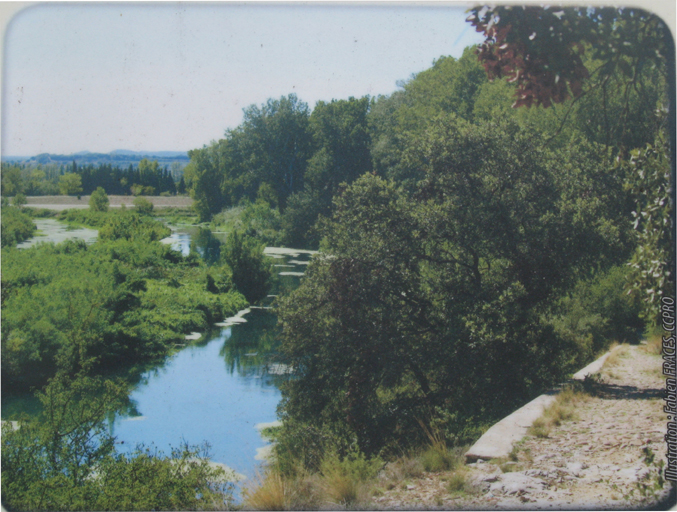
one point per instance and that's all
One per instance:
(89, 217)
(131, 226)
(251, 272)
(437, 457)
(98, 201)
(143, 205)
(19, 200)
(346, 479)
(16, 226)
(596, 313)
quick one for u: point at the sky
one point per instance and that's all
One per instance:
(175, 76)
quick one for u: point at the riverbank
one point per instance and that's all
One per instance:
(59, 203)
(609, 455)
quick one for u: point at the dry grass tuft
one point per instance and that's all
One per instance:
(654, 346)
(276, 492)
(271, 493)
(563, 409)
(617, 353)
(458, 483)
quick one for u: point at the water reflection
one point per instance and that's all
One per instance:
(206, 245)
(251, 348)
(187, 239)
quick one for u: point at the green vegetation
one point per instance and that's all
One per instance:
(16, 226)
(98, 201)
(251, 271)
(66, 460)
(124, 300)
(143, 205)
(146, 178)
(472, 254)
(481, 255)
(70, 184)
(441, 297)
(563, 409)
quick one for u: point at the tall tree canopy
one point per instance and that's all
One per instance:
(616, 63)
(542, 49)
(439, 298)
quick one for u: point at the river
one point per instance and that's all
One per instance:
(220, 389)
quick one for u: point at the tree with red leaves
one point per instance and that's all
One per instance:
(542, 49)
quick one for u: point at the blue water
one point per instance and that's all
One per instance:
(199, 395)
(216, 390)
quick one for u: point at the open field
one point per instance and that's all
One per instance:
(66, 202)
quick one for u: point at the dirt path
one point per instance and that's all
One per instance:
(65, 202)
(608, 456)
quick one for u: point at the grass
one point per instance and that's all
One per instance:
(618, 352)
(347, 481)
(274, 491)
(403, 468)
(350, 482)
(458, 483)
(271, 493)
(563, 409)
(437, 457)
(654, 345)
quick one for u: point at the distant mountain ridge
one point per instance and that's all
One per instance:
(118, 157)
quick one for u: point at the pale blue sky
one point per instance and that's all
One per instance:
(100, 77)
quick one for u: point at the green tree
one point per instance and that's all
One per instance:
(181, 187)
(341, 135)
(434, 301)
(70, 184)
(98, 200)
(19, 200)
(450, 86)
(251, 272)
(276, 143)
(299, 219)
(12, 180)
(653, 261)
(206, 180)
(614, 64)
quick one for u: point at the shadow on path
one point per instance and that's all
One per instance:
(618, 392)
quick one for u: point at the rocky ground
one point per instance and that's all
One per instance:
(607, 456)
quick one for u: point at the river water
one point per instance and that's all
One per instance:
(221, 389)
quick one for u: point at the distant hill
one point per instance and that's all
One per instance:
(119, 157)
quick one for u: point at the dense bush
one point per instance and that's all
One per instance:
(597, 312)
(252, 273)
(16, 226)
(132, 226)
(98, 201)
(91, 218)
(143, 205)
(119, 301)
